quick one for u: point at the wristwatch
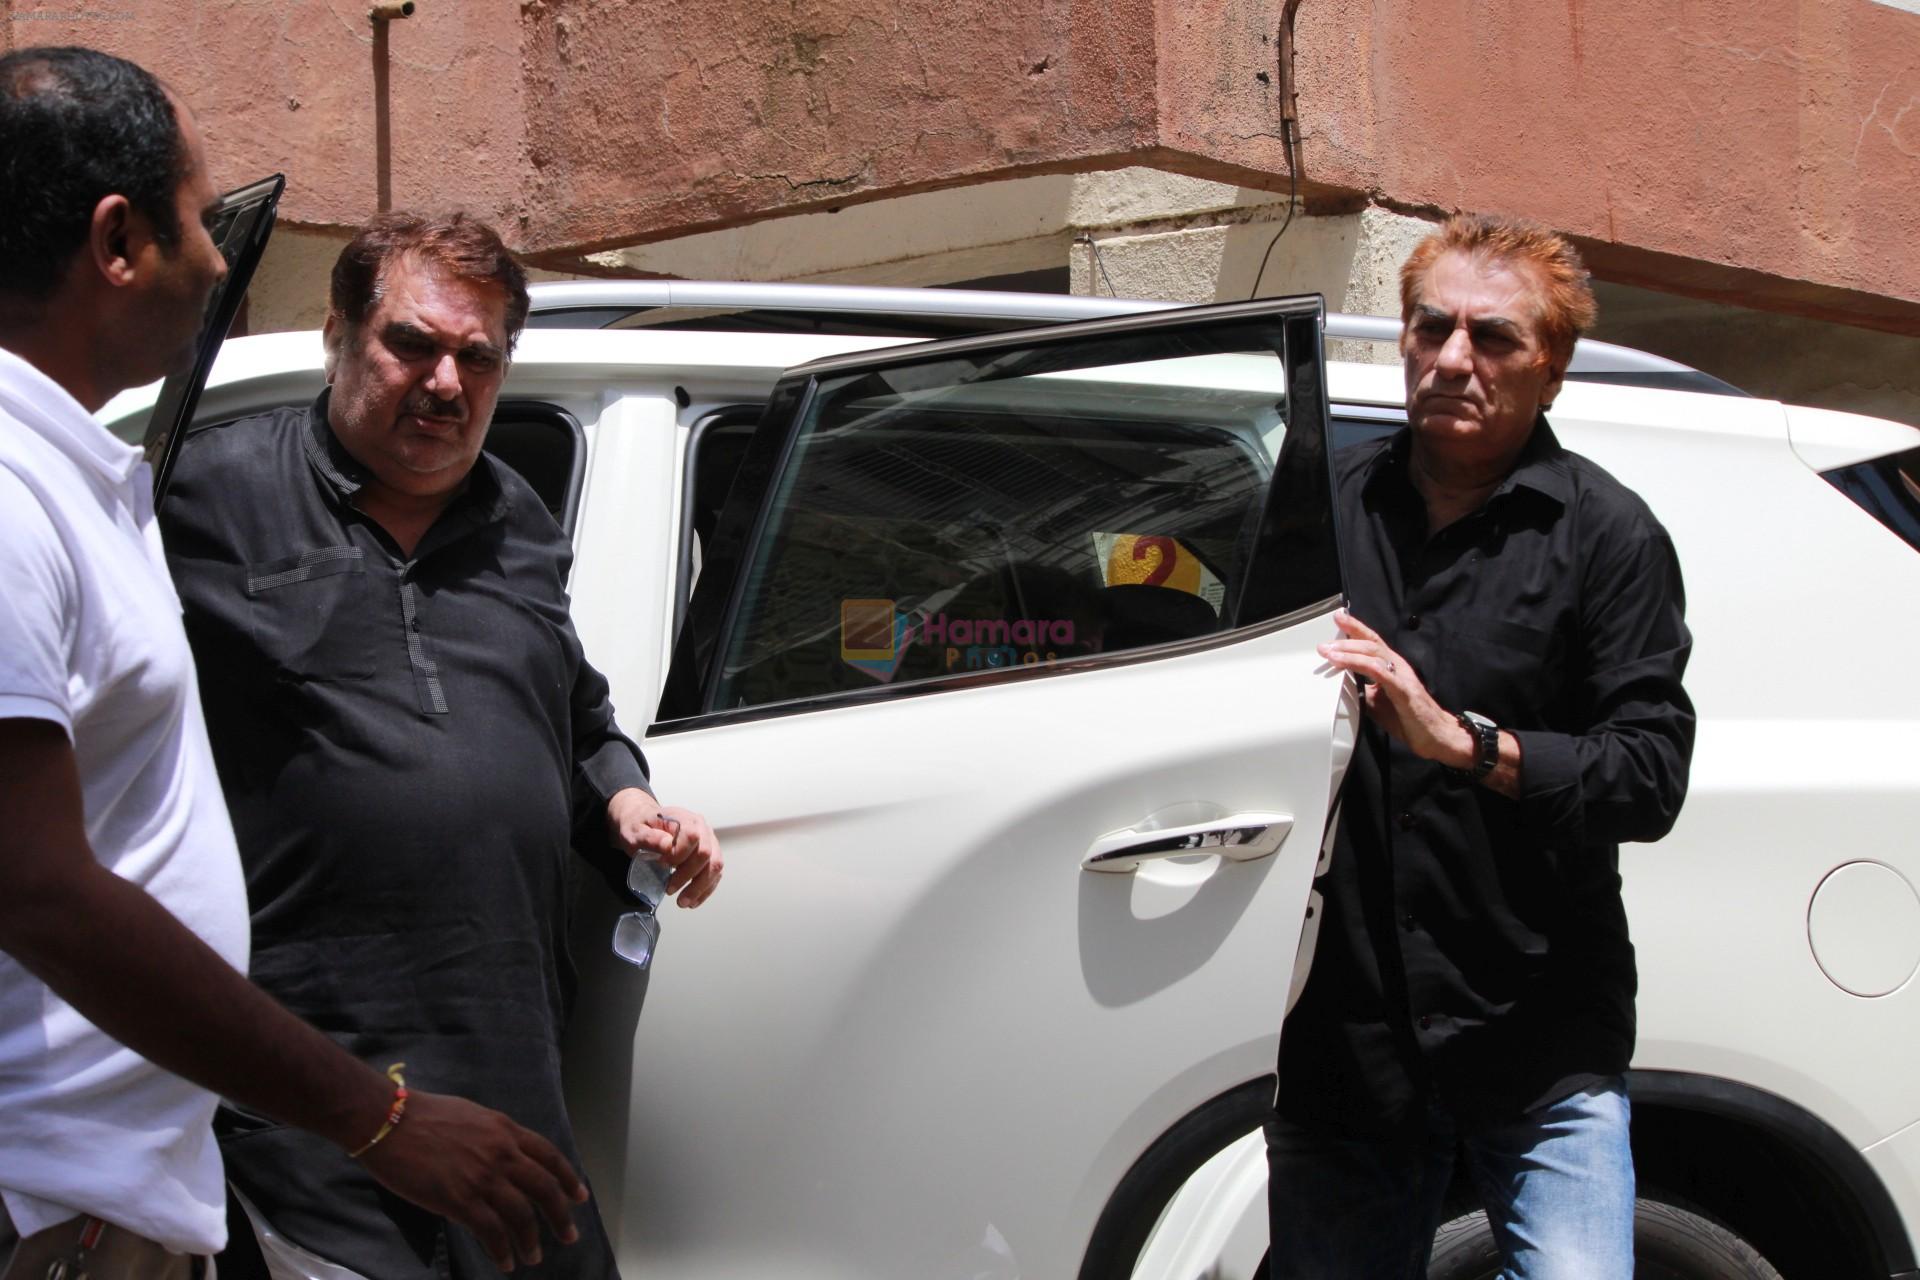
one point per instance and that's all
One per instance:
(1486, 746)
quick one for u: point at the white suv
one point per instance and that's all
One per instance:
(992, 661)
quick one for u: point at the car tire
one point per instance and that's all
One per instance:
(1669, 1243)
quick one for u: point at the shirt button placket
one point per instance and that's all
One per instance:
(409, 604)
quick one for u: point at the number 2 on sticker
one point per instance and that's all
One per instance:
(1163, 569)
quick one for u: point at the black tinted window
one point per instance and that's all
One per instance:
(1888, 488)
(950, 519)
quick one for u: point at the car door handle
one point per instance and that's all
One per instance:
(1244, 837)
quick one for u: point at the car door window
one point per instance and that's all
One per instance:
(715, 447)
(1888, 488)
(1019, 510)
(545, 444)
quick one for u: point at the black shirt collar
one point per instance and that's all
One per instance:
(486, 498)
(1541, 467)
(340, 470)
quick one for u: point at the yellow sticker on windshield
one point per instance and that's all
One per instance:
(1155, 560)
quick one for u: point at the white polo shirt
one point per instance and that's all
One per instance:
(90, 639)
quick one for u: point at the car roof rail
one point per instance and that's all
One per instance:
(886, 311)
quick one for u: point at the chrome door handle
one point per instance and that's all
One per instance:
(1244, 837)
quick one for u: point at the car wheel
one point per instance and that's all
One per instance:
(1669, 1243)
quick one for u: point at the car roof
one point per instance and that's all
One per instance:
(882, 311)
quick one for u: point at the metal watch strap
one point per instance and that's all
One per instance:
(1486, 745)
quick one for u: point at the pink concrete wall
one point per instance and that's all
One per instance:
(1765, 152)
(288, 85)
(1779, 138)
(654, 116)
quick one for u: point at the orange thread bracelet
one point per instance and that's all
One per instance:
(394, 1113)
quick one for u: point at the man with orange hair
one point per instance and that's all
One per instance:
(1516, 622)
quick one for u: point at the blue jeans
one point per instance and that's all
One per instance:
(1557, 1183)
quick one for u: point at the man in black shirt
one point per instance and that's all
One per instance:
(1517, 626)
(408, 733)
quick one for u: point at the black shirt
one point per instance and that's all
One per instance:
(409, 747)
(1474, 949)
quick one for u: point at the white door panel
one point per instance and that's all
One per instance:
(908, 978)
(916, 1034)
(623, 571)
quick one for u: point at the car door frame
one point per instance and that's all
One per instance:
(243, 222)
(699, 646)
(694, 665)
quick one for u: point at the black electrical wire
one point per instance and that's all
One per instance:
(1293, 188)
(1086, 238)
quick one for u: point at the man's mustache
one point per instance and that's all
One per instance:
(428, 406)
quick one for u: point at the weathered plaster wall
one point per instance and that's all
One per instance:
(289, 289)
(1728, 148)
(288, 85)
(645, 123)
(1350, 259)
(1765, 153)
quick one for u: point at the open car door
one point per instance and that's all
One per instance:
(242, 222)
(999, 683)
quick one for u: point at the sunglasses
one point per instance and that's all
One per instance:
(637, 933)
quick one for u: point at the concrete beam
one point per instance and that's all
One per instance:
(1765, 152)
(1768, 153)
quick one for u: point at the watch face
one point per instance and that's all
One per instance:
(1477, 720)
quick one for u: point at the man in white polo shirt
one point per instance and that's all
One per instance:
(123, 915)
